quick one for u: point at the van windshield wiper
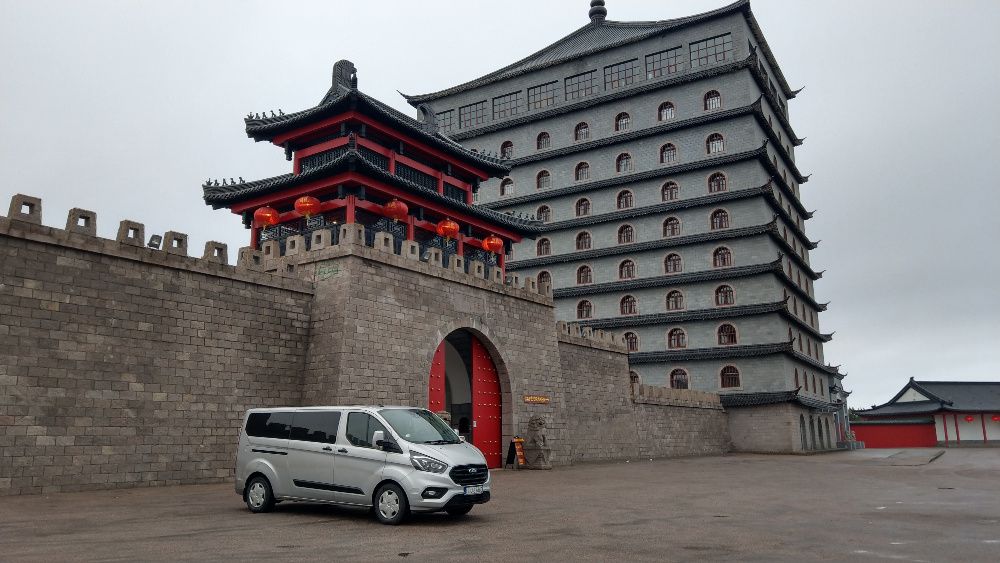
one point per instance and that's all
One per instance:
(440, 442)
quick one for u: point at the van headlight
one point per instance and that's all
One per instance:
(427, 463)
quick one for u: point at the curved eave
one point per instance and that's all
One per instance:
(714, 353)
(337, 102)
(665, 207)
(633, 248)
(353, 159)
(684, 316)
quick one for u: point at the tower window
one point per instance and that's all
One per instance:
(666, 111)
(632, 341)
(583, 241)
(582, 207)
(584, 310)
(670, 191)
(720, 219)
(582, 172)
(678, 379)
(668, 153)
(676, 339)
(724, 295)
(626, 234)
(543, 247)
(506, 187)
(730, 377)
(623, 163)
(671, 227)
(727, 335)
(542, 180)
(713, 100)
(625, 200)
(622, 122)
(507, 150)
(675, 301)
(626, 270)
(672, 264)
(717, 183)
(544, 214)
(715, 143)
(722, 257)
(628, 305)
(543, 141)
(581, 132)
(584, 275)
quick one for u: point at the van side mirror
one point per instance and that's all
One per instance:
(378, 438)
(461, 438)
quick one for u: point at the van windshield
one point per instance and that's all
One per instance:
(419, 426)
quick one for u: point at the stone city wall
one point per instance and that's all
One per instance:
(121, 365)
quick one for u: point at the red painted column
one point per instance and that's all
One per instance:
(410, 229)
(501, 261)
(254, 236)
(440, 178)
(982, 419)
(351, 202)
(392, 163)
(460, 246)
(944, 422)
(958, 435)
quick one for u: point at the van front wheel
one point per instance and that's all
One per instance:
(391, 506)
(258, 495)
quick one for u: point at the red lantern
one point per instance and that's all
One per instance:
(307, 205)
(447, 228)
(265, 216)
(969, 418)
(396, 210)
(493, 244)
(996, 418)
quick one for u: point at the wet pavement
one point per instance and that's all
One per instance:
(859, 506)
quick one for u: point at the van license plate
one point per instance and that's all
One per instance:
(474, 490)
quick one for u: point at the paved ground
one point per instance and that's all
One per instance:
(864, 506)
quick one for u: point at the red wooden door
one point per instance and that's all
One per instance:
(486, 405)
(435, 391)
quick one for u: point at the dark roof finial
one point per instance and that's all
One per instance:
(345, 75)
(597, 12)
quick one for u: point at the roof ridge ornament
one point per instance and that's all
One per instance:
(345, 75)
(427, 118)
(597, 12)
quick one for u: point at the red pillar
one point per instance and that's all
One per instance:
(392, 163)
(254, 236)
(351, 201)
(410, 229)
(982, 419)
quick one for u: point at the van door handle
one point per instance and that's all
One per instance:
(328, 449)
(342, 451)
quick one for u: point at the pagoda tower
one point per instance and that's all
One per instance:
(357, 160)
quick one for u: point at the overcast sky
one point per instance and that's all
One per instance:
(126, 107)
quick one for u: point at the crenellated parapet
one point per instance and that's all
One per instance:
(305, 257)
(573, 333)
(24, 221)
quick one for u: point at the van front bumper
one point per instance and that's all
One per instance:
(447, 493)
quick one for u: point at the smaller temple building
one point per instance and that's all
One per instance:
(934, 413)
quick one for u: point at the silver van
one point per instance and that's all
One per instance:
(395, 460)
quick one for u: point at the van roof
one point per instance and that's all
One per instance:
(332, 407)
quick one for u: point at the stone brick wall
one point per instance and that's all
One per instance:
(124, 366)
(765, 429)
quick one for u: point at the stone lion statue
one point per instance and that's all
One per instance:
(536, 446)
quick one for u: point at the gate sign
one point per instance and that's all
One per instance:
(536, 399)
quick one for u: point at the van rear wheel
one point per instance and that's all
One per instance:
(391, 506)
(259, 496)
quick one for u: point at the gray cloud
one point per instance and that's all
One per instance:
(126, 107)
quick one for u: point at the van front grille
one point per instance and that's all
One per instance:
(469, 474)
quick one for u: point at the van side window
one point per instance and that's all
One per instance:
(269, 424)
(316, 426)
(361, 427)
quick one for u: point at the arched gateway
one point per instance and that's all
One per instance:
(465, 382)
